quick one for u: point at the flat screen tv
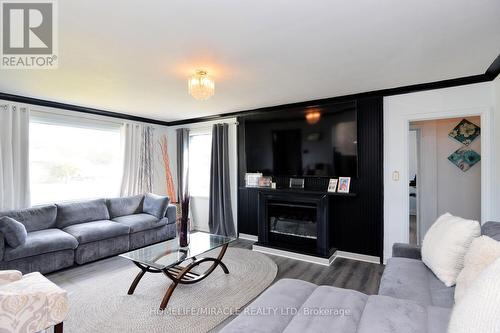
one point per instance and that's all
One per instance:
(313, 141)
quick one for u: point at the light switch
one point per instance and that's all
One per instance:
(395, 176)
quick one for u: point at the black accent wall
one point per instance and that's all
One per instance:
(356, 222)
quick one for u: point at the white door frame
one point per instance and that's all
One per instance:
(486, 115)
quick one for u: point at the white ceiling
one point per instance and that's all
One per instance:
(135, 57)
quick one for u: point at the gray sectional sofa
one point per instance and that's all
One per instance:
(60, 235)
(410, 299)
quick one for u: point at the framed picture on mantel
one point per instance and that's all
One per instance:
(332, 185)
(252, 179)
(344, 184)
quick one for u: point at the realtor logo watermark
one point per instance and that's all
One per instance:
(29, 34)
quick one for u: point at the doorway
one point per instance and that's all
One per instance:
(444, 171)
(413, 143)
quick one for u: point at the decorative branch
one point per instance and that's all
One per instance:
(169, 181)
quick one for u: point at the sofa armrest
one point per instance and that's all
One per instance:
(2, 246)
(492, 230)
(171, 213)
(406, 251)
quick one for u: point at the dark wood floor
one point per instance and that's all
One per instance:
(343, 273)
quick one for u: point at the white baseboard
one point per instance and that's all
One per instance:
(357, 256)
(248, 237)
(293, 255)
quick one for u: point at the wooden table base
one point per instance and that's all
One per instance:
(180, 274)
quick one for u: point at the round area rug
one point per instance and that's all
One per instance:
(101, 303)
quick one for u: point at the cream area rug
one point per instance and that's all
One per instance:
(101, 304)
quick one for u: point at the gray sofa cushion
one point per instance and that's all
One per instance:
(34, 218)
(96, 231)
(81, 212)
(406, 251)
(171, 214)
(14, 232)
(125, 206)
(40, 242)
(294, 306)
(140, 222)
(390, 315)
(492, 230)
(329, 309)
(410, 279)
(284, 294)
(155, 205)
(43, 263)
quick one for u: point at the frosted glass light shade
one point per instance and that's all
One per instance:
(201, 86)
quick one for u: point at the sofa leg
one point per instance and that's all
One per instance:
(58, 328)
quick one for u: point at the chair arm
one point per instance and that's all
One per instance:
(9, 276)
(171, 213)
(406, 251)
(38, 302)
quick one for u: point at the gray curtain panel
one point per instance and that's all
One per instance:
(182, 162)
(220, 215)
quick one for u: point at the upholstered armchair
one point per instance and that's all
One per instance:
(30, 303)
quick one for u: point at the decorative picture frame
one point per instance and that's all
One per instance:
(265, 182)
(296, 182)
(332, 185)
(464, 158)
(252, 179)
(344, 185)
(465, 132)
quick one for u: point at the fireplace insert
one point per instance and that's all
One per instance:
(292, 219)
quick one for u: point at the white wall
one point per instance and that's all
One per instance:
(399, 110)
(199, 205)
(454, 191)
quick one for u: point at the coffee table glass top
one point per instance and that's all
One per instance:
(168, 254)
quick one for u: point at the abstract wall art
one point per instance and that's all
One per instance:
(465, 132)
(464, 158)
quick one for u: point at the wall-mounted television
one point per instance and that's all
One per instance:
(317, 141)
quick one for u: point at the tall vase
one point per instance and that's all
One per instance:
(183, 229)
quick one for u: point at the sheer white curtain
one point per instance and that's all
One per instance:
(138, 159)
(14, 156)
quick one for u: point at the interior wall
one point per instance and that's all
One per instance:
(455, 191)
(199, 205)
(399, 110)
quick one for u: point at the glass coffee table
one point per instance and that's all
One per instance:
(167, 257)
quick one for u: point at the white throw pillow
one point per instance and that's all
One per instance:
(479, 309)
(445, 245)
(482, 252)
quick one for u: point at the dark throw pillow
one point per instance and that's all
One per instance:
(13, 231)
(155, 205)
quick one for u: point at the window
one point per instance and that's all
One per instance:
(200, 149)
(73, 159)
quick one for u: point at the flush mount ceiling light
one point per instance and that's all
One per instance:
(313, 116)
(201, 86)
